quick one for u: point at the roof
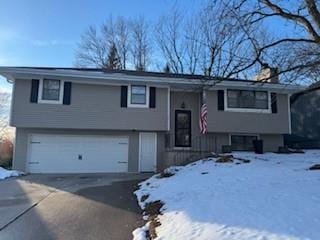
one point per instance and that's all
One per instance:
(99, 75)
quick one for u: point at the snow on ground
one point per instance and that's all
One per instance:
(274, 197)
(4, 173)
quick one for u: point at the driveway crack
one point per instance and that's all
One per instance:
(25, 211)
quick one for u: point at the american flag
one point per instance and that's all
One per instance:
(203, 123)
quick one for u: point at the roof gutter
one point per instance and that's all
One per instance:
(119, 78)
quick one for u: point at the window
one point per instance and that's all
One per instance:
(138, 95)
(182, 128)
(242, 142)
(248, 99)
(50, 90)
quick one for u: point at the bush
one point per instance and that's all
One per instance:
(6, 162)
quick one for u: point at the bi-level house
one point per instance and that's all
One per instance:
(72, 120)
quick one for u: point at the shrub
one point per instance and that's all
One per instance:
(6, 162)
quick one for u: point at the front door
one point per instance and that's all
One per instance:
(148, 151)
(183, 128)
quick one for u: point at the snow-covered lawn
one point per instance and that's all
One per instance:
(274, 196)
(4, 173)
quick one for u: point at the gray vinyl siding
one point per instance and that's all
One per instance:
(231, 122)
(248, 122)
(21, 144)
(92, 107)
(271, 142)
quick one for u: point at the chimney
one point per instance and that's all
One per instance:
(267, 74)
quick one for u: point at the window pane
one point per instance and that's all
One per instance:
(247, 99)
(138, 99)
(242, 143)
(138, 94)
(183, 129)
(138, 90)
(233, 98)
(233, 103)
(233, 94)
(261, 95)
(262, 104)
(51, 89)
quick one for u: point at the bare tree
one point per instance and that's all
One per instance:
(122, 40)
(4, 115)
(140, 45)
(171, 41)
(95, 44)
(210, 43)
(298, 40)
(92, 50)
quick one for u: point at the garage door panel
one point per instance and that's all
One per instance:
(78, 154)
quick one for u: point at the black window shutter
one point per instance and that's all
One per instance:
(34, 90)
(124, 96)
(67, 93)
(221, 100)
(274, 104)
(152, 98)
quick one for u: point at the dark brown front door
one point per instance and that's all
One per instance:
(182, 128)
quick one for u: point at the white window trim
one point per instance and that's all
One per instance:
(248, 110)
(40, 100)
(134, 105)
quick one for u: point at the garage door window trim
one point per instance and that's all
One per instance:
(45, 86)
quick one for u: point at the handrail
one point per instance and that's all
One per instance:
(201, 145)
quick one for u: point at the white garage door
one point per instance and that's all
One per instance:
(77, 154)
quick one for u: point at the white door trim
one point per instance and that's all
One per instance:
(155, 152)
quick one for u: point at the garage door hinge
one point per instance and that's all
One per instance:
(122, 162)
(33, 162)
(35, 142)
(123, 143)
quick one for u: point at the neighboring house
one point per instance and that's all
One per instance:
(72, 120)
(305, 116)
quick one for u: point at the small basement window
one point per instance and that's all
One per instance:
(242, 142)
(50, 91)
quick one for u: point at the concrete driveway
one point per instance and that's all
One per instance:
(92, 206)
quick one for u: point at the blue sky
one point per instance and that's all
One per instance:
(46, 32)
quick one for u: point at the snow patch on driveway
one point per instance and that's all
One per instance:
(274, 197)
(4, 173)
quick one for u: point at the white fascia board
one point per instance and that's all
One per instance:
(120, 78)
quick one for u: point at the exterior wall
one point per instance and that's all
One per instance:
(225, 122)
(271, 142)
(248, 122)
(92, 107)
(191, 100)
(305, 116)
(21, 144)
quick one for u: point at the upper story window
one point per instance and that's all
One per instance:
(50, 91)
(138, 96)
(246, 99)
